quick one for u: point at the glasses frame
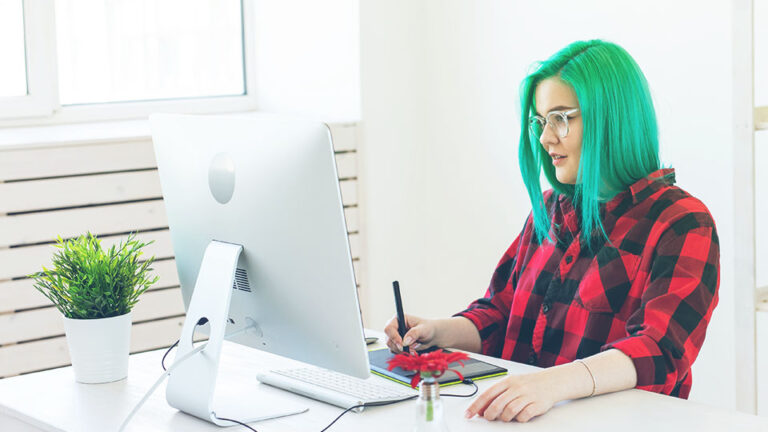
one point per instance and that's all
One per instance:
(546, 120)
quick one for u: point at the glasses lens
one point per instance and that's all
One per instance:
(537, 126)
(558, 122)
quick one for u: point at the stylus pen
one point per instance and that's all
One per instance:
(400, 315)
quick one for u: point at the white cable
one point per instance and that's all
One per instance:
(158, 382)
(166, 374)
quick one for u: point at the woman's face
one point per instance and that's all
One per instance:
(552, 94)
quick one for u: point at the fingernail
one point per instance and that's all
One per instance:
(467, 414)
(408, 340)
(400, 347)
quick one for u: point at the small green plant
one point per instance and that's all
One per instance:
(88, 282)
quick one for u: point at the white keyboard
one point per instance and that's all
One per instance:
(335, 388)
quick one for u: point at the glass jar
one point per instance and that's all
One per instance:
(429, 407)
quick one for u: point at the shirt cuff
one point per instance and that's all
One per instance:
(491, 333)
(654, 372)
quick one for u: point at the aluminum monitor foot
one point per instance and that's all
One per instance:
(191, 386)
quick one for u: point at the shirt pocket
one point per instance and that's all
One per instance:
(608, 280)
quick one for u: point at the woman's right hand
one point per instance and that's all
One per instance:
(421, 334)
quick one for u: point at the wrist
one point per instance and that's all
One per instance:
(443, 333)
(455, 332)
(571, 381)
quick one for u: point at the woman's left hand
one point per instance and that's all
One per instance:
(518, 397)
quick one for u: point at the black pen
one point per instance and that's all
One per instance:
(400, 315)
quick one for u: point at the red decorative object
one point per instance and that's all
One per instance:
(431, 364)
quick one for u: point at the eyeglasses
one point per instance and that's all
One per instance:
(557, 120)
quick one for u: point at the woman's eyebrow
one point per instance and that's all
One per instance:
(557, 108)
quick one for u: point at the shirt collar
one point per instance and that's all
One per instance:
(644, 188)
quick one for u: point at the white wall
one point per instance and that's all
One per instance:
(442, 192)
(761, 139)
(307, 57)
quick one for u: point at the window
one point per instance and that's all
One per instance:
(121, 58)
(13, 74)
(130, 50)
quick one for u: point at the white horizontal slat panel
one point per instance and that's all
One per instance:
(348, 192)
(346, 165)
(33, 356)
(158, 304)
(166, 272)
(41, 227)
(105, 188)
(40, 323)
(354, 245)
(105, 157)
(21, 294)
(761, 118)
(156, 334)
(23, 261)
(761, 299)
(352, 216)
(78, 191)
(49, 353)
(344, 137)
(357, 269)
(75, 160)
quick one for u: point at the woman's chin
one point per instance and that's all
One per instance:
(565, 179)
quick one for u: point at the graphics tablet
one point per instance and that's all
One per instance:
(473, 368)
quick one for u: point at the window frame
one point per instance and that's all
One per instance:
(42, 107)
(40, 58)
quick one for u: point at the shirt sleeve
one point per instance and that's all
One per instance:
(491, 312)
(665, 334)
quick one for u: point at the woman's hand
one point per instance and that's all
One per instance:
(518, 397)
(523, 397)
(421, 333)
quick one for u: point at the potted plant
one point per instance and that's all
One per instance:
(95, 289)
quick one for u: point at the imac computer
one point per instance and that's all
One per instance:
(258, 231)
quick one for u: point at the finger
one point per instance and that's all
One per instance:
(478, 406)
(391, 326)
(497, 406)
(390, 330)
(393, 348)
(530, 411)
(411, 337)
(514, 408)
(410, 321)
(414, 335)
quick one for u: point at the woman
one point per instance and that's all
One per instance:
(613, 280)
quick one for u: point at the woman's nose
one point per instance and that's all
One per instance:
(548, 136)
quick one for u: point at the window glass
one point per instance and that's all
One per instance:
(131, 50)
(13, 65)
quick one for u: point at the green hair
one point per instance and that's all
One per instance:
(620, 138)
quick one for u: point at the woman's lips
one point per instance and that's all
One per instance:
(558, 160)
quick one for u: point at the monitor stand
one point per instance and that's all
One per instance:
(191, 385)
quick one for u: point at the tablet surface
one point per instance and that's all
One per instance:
(473, 368)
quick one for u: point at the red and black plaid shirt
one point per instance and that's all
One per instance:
(650, 292)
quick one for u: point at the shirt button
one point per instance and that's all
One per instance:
(568, 259)
(545, 308)
(532, 359)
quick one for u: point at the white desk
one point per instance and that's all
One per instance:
(53, 401)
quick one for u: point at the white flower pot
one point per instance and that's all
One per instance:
(99, 348)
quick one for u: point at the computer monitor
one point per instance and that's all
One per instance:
(257, 224)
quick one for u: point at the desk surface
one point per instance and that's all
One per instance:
(53, 401)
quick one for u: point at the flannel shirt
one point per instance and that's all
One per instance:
(649, 293)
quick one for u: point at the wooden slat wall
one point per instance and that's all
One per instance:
(110, 189)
